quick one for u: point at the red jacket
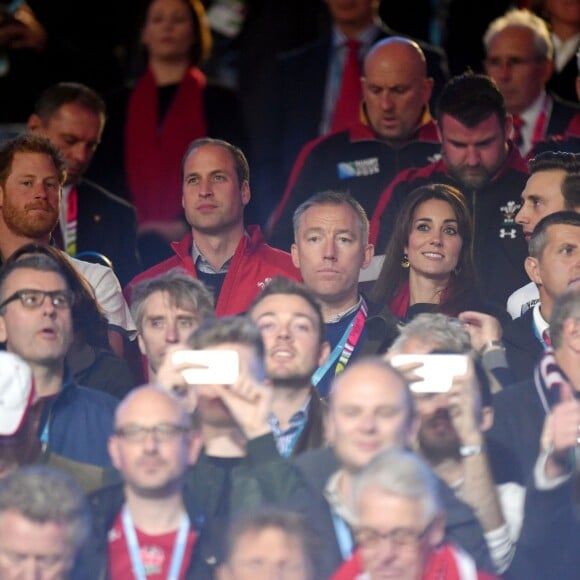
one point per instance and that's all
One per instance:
(253, 266)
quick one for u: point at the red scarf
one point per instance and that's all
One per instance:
(400, 303)
(448, 562)
(153, 152)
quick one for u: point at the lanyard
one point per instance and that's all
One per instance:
(133, 547)
(345, 346)
(70, 234)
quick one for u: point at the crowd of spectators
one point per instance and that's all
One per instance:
(290, 290)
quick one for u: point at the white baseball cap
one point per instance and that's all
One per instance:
(16, 392)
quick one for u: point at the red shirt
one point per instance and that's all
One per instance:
(156, 553)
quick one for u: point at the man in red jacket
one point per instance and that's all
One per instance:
(400, 524)
(230, 258)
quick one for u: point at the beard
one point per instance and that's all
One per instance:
(471, 177)
(438, 447)
(290, 379)
(30, 225)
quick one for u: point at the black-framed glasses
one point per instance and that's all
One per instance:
(161, 432)
(32, 299)
(371, 539)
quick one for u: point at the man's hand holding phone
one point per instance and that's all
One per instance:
(191, 374)
(452, 375)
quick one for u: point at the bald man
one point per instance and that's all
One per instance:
(394, 131)
(152, 510)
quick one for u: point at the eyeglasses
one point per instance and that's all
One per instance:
(401, 537)
(162, 432)
(33, 299)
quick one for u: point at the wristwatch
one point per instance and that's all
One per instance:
(469, 450)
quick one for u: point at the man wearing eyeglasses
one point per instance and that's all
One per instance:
(149, 526)
(400, 524)
(36, 324)
(519, 58)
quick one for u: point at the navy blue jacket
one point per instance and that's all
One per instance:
(79, 422)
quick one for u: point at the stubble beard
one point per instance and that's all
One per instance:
(20, 223)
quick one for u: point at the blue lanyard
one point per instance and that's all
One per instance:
(133, 546)
(340, 352)
(343, 536)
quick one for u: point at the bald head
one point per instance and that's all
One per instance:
(371, 409)
(153, 444)
(396, 90)
(396, 49)
(150, 400)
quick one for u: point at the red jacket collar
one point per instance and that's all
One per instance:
(250, 242)
(426, 131)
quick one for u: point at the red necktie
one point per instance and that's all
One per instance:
(546, 338)
(346, 110)
(517, 136)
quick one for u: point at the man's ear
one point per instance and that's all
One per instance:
(486, 418)
(246, 193)
(295, 255)
(141, 343)
(532, 267)
(436, 533)
(34, 123)
(369, 252)
(428, 84)
(114, 452)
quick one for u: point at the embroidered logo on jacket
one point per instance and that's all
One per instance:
(509, 211)
(503, 233)
(358, 168)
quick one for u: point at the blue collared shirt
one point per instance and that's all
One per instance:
(286, 440)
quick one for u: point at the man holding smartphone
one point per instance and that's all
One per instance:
(452, 425)
(239, 465)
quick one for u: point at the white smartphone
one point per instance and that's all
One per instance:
(209, 367)
(437, 372)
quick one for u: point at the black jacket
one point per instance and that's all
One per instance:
(107, 224)
(523, 349)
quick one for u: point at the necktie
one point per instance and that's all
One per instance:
(346, 110)
(517, 136)
(546, 338)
